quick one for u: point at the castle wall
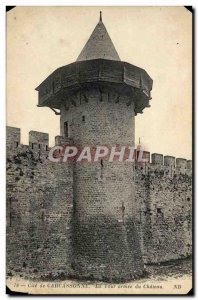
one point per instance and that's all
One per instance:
(38, 140)
(39, 210)
(181, 164)
(157, 159)
(169, 161)
(60, 215)
(164, 209)
(13, 137)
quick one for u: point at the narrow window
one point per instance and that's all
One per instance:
(100, 172)
(66, 129)
(17, 144)
(39, 146)
(46, 147)
(32, 145)
(101, 162)
(83, 118)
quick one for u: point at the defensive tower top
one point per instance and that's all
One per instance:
(99, 45)
(98, 66)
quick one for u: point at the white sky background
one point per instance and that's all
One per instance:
(157, 39)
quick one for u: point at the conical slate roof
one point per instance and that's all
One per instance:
(99, 45)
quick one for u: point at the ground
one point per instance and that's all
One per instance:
(169, 278)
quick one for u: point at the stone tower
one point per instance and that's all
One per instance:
(98, 97)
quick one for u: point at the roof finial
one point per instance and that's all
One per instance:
(100, 16)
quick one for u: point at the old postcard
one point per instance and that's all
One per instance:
(99, 150)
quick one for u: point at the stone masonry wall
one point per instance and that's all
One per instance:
(106, 243)
(164, 210)
(39, 209)
(42, 215)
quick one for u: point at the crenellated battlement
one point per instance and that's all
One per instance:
(159, 161)
(39, 142)
(40, 182)
(13, 136)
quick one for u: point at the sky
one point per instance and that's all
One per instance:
(157, 39)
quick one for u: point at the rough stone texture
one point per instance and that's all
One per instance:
(157, 158)
(38, 222)
(65, 219)
(103, 190)
(164, 209)
(108, 119)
